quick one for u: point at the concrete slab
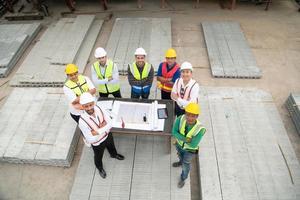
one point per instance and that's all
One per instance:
(228, 51)
(146, 172)
(252, 155)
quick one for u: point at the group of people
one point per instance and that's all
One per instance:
(175, 82)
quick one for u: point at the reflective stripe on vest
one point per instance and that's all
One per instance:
(78, 88)
(106, 88)
(187, 91)
(167, 87)
(94, 125)
(193, 132)
(135, 71)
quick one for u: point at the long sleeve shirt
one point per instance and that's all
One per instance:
(195, 140)
(193, 95)
(87, 131)
(176, 75)
(71, 96)
(143, 82)
(97, 81)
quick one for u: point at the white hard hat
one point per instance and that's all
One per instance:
(186, 65)
(100, 52)
(86, 98)
(140, 51)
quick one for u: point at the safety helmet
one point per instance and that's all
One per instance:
(86, 98)
(71, 69)
(193, 108)
(186, 65)
(140, 51)
(171, 53)
(100, 52)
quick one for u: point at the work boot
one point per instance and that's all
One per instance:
(180, 183)
(119, 157)
(176, 164)
(102, 173)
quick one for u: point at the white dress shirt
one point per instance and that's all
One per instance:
(182, 103)
(97, 81)
(87, 131)
(71, 96)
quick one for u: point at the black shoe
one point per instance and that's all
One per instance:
(176, 164)
(102, 173)
(180, 183)
(119, 157)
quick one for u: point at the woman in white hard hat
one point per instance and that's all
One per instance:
(140, 75)
(105, 75)
(185, 89)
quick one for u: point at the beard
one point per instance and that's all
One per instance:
(91, 111)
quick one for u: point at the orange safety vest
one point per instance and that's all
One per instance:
(187, 91)
(93, 125)
(167, 87)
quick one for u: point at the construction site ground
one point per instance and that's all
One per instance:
(273, 35)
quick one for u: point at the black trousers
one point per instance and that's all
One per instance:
(116, 94)
(99, 150)
(165, 95)
(178, 110)
(75, 117)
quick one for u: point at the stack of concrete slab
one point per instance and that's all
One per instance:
(246, 152)
(229, 53)
(14, 39)
(153, 34)
(36, 128)
(70, 40)
(293, 106)
(146, 172)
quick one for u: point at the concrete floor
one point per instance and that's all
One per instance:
(274, 37)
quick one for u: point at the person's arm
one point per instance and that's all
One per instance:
(148, 81)
(92, 89)
(174, 95)
(159, 75)
(175, 130)
(132, 81)
(96, 79)
(89, 135)
(196, 139)
(73, 100)
(115, 76)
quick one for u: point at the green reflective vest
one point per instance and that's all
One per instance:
(79, 87)
(110, 87)
(135, 71)
(193, 132)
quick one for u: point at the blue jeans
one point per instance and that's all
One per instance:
(185, 158)
(138, 95)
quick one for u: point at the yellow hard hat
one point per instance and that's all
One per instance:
(71, 69)
(171, 53)
(193, 108)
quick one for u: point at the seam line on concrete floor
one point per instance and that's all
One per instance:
(241, 126)
(95, 169)
(215, 150)
(132, 166)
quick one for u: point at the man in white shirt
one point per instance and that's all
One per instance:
(95, 124)
(105, 74)
(185, 89)
(75, 85)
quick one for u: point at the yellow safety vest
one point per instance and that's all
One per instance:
(78, 88)
(135, 71)
(106, 88)
(193, 132)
